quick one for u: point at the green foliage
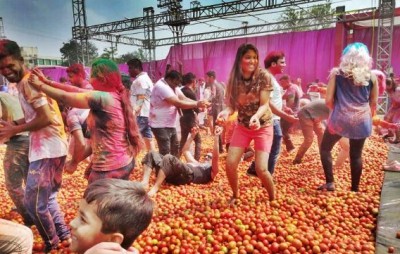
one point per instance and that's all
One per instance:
(72, 53)
(139, 54)
(109, 53)
(296, 18)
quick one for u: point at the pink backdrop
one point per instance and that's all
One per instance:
(309, 55)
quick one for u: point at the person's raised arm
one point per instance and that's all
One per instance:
(76, 100)
(186, 147)
(330, 92)
(186, 103)
(373, 98)
(68, 88)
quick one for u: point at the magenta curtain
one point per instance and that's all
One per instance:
(309, 55)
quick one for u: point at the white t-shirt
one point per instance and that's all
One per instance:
(140, 93)
(76, 117)
(162, 113)
(50, 141)
(276, 96)
(202, 88)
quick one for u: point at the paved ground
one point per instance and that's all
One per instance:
(389, 211)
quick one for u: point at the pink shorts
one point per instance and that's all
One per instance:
(262, 137)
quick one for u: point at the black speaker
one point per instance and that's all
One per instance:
(340, 10)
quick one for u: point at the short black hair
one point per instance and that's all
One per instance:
(174, 75)
(123, 206)
(10, 48)
(188, 78)
(211, 74)
(135, 63)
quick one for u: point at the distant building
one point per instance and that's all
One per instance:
(32, 58)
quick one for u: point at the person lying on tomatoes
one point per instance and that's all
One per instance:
(172, 170)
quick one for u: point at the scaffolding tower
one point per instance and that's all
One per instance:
(79, 30)
(385, 33)
(2, 34)
(384, 46)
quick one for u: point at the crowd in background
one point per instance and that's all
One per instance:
(110, 117)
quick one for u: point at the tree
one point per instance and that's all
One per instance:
(139, 54)
(294, 20)
(72, 53)
(125, 57)
(109, 53)
(316, 17)
(322, 14)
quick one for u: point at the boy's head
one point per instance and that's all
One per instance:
(112, 210)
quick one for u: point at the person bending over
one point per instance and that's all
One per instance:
(170, 169)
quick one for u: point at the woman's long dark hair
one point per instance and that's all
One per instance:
(236, 74)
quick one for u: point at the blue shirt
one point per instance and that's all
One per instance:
(351, 116)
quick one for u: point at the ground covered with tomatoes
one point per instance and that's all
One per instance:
(198, 218)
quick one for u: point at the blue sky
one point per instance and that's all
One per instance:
(47, 24)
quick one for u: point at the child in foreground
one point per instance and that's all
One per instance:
(111, 211)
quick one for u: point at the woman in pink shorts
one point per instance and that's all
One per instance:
(248, 92)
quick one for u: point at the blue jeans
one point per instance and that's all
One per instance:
(43, 183)
(16, 166)
(275, 148)
(167, 140)
(144, 127)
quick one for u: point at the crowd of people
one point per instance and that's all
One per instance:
(109, 119)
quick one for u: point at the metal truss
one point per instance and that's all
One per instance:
(384, 45)
(194, 14)
(353, 16)
(121, 39)
(79, 31)
(385, 33)
(2, 34)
